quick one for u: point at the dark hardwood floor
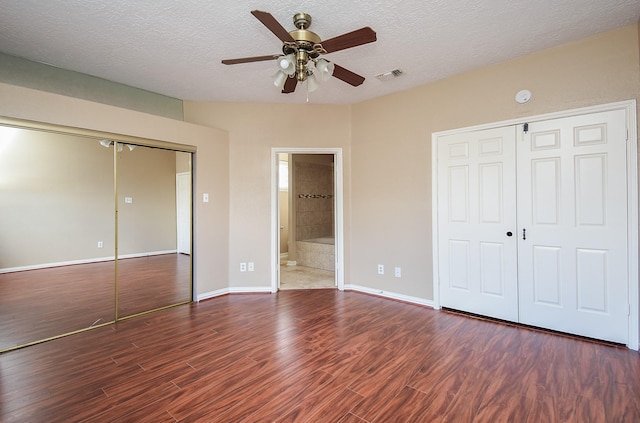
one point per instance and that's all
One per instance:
(317, 356)
(42, 303)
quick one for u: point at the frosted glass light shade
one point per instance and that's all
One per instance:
(279, 79)
(312, 82)
(325, 69)
(287, 64)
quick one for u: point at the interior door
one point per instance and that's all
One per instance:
(477, 222)
(572, 213)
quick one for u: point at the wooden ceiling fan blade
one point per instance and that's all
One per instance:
(250, 59)
(350, 39)
(290, 85)
(273, 25)
(347, 76)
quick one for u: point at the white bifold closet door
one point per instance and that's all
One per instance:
(477, 212)
(572, 201)
(555, 258)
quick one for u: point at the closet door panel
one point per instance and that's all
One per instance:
(57, 233)
(153, 272)
(476, 211)
(572, 215)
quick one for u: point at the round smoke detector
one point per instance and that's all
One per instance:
(523, 96)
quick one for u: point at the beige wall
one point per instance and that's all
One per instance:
(253, 130)
(56, 198)
(284, 220)
(391, 143)
(283, 203)
(183, 162)
(210, 163)
(57, 190)
(148, 224)
(386, 144)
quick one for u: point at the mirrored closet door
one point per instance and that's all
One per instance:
(152, 271)
(93, 228)
(57, 235)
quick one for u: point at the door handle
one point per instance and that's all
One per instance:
(524, 234)
(509, 233)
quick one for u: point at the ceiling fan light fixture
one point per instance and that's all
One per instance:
(302, 58)
(324, 69)
(312, 83)
(279, 79)
(287, 64)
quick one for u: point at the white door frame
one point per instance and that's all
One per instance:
(629, 107)
(338, 211)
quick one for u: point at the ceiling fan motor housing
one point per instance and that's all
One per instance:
(304, 39)
(302, 20)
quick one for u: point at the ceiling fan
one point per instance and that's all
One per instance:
(301, 50)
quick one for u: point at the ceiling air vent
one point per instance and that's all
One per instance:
(389, 75)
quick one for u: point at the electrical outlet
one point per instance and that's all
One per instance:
(205, 198)
(381, 269)
(100, 244)
(243, 267)
(398, 272)
(250, 266)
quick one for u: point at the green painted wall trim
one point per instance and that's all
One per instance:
(39, 76)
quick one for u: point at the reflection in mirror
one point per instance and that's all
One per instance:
(154, 228)
(57, 242)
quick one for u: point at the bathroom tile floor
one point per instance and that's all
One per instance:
(301, 277)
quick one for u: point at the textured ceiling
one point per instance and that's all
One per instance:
(175, 47)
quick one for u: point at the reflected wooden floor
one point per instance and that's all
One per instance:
(317, 356)
(151, 282)
(38, 304)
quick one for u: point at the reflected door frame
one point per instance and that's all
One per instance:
(183, 212)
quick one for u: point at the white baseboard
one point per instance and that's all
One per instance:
(152, 253)
(212, 294)
(391, 295)
(84, 261)
(363, 289)
(234, 290)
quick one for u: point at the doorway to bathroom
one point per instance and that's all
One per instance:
(307, 219)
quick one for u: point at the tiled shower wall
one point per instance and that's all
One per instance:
(314, 199)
